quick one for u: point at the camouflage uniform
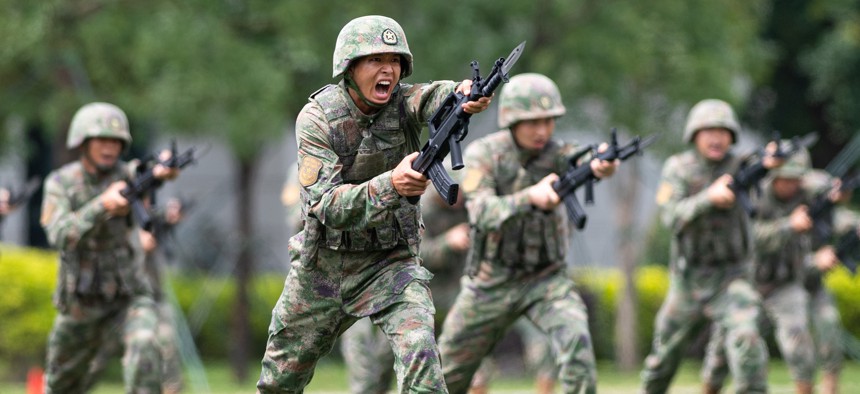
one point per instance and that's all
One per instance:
(782, 258)
(826, 320)
(365, 348)
(357, 255)
(167, 336)
(517, 259)
(101, 291)
(710, 266)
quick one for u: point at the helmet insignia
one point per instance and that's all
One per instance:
(545, 102)
(389, 37)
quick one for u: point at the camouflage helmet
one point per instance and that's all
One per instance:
(369, 35)
(98, 120)
(795, 166)
(529, 96)
(711, 113)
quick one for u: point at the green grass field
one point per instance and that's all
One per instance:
(330, 377)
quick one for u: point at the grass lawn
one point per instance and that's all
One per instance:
(330, 377)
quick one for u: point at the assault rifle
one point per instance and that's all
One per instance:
(579, 175)
(749, 176)
(145, 184)
(821, 210)
(846, 248)
(450, 124)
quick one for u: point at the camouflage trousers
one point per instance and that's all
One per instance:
(536, 350)
(827, 329)
(369, 360)
(171, 364)
(786, 311)
(480, 317)
(323, 299)
(736, 308)
(82, 331)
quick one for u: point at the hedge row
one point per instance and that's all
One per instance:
(27, 279)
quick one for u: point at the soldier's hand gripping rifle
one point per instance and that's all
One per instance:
(146, 183)
(450, 124)
(579, 175)
(749, 176)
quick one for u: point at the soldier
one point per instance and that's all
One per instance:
(519, 235)
(101, 288)
(357, 255)
(711, 251)
(783, 253)
(826, 320)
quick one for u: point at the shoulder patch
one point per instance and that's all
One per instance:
(664, 193)
(471, 180)
(309, 170)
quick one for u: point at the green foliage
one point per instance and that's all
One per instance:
(242, 70)
(604, 286)
(845, 289)
(27, 277)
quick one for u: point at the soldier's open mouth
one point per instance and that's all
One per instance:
(382, 89)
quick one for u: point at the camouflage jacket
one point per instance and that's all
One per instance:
(709, 246)
(100, 257)
(511, 238)
(781, 255)
(345, 162)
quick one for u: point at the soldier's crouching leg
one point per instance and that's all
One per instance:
(304, 327)
(565, 322)
(368, 357)
(409, 327)
(142, 358)
(745, 348)
(72, 345)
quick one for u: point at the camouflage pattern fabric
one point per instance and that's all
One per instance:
(793, 337)
(709, 276)
(826, 320)
(518, 253)
(369, 358)
(102, 292)
(365, 348)
(537, 351)
(828, 331)
(782, 258)
(357, 255)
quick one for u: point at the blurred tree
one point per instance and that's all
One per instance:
(814, 83)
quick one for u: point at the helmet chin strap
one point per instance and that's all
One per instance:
(352, 85)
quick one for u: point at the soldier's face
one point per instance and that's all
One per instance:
(102, 153)
(376, 76)
(534, 134)
(785, 188)
(713, 143)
